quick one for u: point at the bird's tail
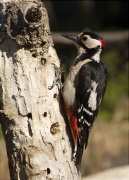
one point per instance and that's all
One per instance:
(79, 152)
(78, 157)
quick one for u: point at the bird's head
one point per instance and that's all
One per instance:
(88, 42)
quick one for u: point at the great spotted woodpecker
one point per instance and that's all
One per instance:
(84, 88)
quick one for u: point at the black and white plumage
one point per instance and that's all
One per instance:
(84, 88)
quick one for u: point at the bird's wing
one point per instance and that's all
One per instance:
(90, 89)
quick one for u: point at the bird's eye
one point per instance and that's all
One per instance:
(84, 38)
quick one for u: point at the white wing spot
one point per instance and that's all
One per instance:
(79, 120)
(87, 111)
(88, 90)
(86, 122)
(79, 110)
(82, 117)
(100, 101)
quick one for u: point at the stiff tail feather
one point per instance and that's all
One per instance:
(78, 159)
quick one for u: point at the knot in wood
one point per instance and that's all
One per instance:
(55, 128)
(26, 22)
(33, 14)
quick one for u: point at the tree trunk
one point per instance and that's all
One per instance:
(31, 114)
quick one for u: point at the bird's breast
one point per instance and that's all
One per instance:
(69, 87)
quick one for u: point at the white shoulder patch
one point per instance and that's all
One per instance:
(92, 102)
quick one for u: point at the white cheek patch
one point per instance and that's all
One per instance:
(92, 103)
(92, 43)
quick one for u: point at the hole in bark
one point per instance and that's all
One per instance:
(55, 128)
(55, 96)
(64, 151)
(48, 171)
(34, 55)
(29, 129)
(29, 115)
(43, 61)
(45, 114)
(33, 14)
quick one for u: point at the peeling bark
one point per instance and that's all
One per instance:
(31, 115)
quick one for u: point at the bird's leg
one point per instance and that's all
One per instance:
(58, 78)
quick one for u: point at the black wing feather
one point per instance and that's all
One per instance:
(89, 72)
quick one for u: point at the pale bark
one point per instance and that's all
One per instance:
(31, 115)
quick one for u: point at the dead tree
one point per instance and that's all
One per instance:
(31, 114)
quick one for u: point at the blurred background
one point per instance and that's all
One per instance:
(108, 141)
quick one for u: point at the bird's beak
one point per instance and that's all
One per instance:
(71, 37)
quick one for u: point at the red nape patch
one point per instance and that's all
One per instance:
(74, 126)
(102, 42)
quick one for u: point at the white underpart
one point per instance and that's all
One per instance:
(92, 103)
(69, 90)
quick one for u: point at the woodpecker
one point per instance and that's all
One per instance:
(84, 88)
